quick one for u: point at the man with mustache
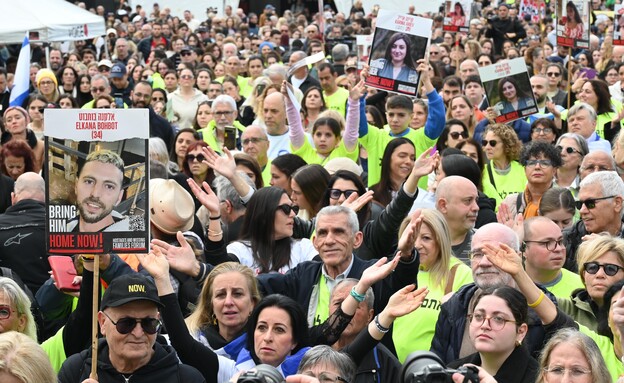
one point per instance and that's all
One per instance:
(98, 190)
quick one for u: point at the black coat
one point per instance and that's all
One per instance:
(519, 367)
(160, 127)
(6, 188)
(573, 237)
(378, 366)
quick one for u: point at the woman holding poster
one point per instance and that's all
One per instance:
(397, 63)
(512, 97)
(572, 21)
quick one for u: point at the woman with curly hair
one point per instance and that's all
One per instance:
(503, 172)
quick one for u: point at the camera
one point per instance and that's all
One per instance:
(427, 367)
(262, 373)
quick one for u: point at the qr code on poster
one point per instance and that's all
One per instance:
(137, 223)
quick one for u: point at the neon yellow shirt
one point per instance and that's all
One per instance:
(337, 101)
(311, 156)
(513, 182)
(566, 285)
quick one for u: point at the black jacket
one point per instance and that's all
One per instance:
(308, 83)
(449, 330)
(164, 367)
(160, 127)
(6, 188)
(23, 242)
(519, 367)
(498, 28)
(487, 208)
(573, 237)
(378, 366)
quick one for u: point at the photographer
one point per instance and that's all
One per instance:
(503, 28)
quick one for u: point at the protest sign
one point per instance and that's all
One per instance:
(618, 25)
(457, 15)
(573, 23)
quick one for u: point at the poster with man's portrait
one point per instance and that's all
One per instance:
(573, 23)
(618, 24)
(400, 40)
(97, 180)
(457, 15)
(508, 89)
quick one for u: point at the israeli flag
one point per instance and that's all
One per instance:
(21, 83)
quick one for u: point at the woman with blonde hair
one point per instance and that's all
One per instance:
(473, 49)
(440, 271)
(571, 351)
(23, 360)
(17, 315)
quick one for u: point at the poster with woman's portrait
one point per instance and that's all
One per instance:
(618, 25)
(400, 40)
(508, 89)
(573, 23)
(457, 15)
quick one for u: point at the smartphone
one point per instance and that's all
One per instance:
(64, 272)
(230, 137)
(119, 103)
(590, 73)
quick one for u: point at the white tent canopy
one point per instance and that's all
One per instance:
(47, 20)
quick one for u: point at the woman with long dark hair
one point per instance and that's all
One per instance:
(83, 89)
(596, 93)
(397, 62)
(396, 165)
(572, 21)
(194, 167)
(308, 185)
(512, 97)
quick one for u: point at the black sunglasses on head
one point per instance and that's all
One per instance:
(286, 208)
(609, 268)
(126, 325)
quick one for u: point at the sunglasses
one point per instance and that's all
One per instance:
(568, 150)
(192, 157)
(186, 77)
(609, 268)
(98, 90)
(590, 202)
(553, 74)
(185, 53)
(336, 193)
(492, 143)
(286, 209)
(455, 135)
(126, 325)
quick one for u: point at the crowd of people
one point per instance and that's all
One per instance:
(303, 220)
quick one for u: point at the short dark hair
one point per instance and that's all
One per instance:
(516, 302)
(400, 101)
(324, 66)
(473, 78)
(535, 148)
(453, 81)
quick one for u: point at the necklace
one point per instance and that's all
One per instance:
(127, 378)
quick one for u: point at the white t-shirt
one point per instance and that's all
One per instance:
(300, 251)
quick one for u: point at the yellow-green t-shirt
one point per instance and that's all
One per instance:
(614, 364)
(266, 173)
(415, 331)
(311, 156)
(337, 101)
(564, 287)
(513, 182)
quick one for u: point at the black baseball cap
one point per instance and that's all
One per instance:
(129, 288)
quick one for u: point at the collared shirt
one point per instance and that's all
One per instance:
(332, 282)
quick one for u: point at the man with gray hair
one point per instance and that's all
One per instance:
(301, 78)
(22, 232)
(232, 207)
(468, 68)
(582, 120)
(100, 86)
(328, 365)
(225, 113)
(229, 50)
(277, 73)
(600, 206)
(255, 143)
(597, 161)
(451, 341)
(339, 53)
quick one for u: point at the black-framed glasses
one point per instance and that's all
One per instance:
(192, 157)
(185, 53)
(496, 322)
(98, 90)
(609, 268)
(568, 149)
(326, 377)
(549, 244)
(336, 193)
(542, 130)
(553, 74)
(253, 140)
(492, 143)
(541, 163)
(590, 203)
(456, 135)
(223, 113)
(559, 371)
(126, 325)
(5, 312)
(286, 209)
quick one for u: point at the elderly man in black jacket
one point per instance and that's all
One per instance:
(503, 28)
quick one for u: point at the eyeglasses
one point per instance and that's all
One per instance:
(145, 77)
(158, 99)
(568, 149)
(434, 53)
(186, 77)
(222, 113)
(559, 371)
(609, 268)
(98, 90)
(455, 135)
(126, 325)
(185, 53)
(492, 143)
(326, 377)
(541, 163)
(5, 312)
(253, 140)
(542, 130)
(549, 244)
(286, 209)
(553, 74)
(336, 193)
(495, 322)
(590, 203)
(192, 157)
(46, 82)
(475, 255)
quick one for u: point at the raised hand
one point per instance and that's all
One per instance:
(503, 257)
(207, 198)
(378, 271)
(226, 166)
(155, 263)
(408, 238)
(516, 223)
(357, 91)
(180, 258)
(355, 202)
(617, 309)
(405, 301)
(425, 163)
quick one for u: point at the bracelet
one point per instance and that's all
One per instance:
(538, 301)
(380, 328)
(214, 233)
(215, 218)
(356, 296)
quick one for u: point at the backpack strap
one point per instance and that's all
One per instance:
(519, 200)
(449, 283)
(489, 169)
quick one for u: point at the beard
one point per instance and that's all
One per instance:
(91, 217)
